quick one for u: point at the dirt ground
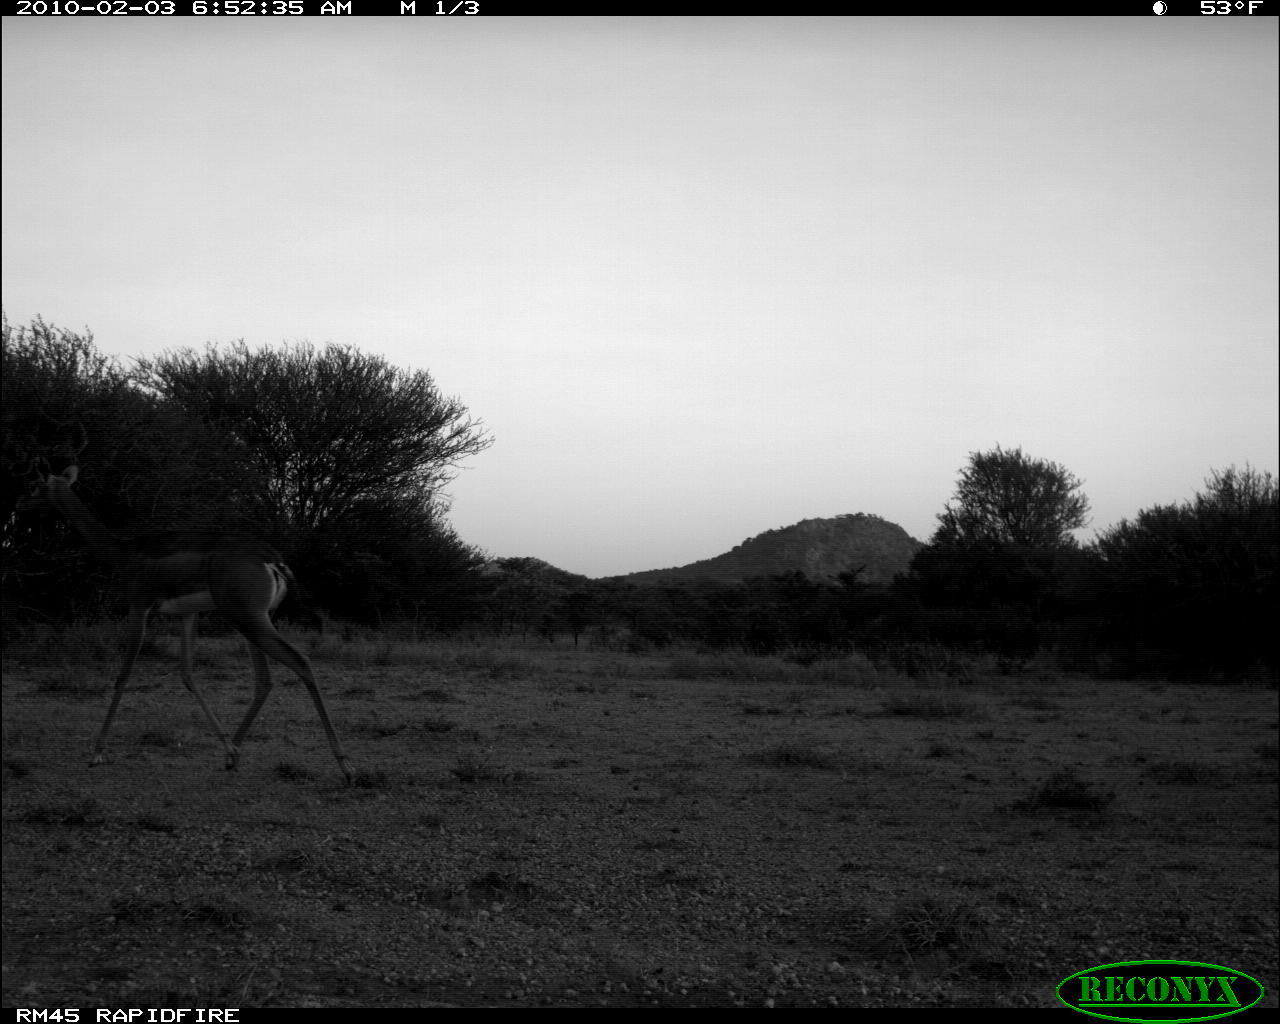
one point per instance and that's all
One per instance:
(561, 827)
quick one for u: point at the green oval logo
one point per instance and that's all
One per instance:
(1164, 990)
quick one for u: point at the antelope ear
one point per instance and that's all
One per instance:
(70, 473)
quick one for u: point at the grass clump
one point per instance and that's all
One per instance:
(1185, 773)
(931, 924)
(1064, 790)
(793, 755)
(929, 705)
(479, 766)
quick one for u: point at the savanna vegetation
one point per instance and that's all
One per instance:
(1184, 591)
(341, 460)
(335, 457)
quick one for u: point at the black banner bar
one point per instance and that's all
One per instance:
(479, 8)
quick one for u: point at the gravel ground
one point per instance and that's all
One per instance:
(552, 832)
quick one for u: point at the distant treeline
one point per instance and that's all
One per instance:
(1182, 590)
(341, 461)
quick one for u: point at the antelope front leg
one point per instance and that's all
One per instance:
(132, 644)
(188, 680)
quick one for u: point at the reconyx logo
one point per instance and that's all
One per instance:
(1163, 990)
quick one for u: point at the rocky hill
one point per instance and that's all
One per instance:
(817, 547)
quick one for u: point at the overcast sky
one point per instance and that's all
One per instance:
(699, 277)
